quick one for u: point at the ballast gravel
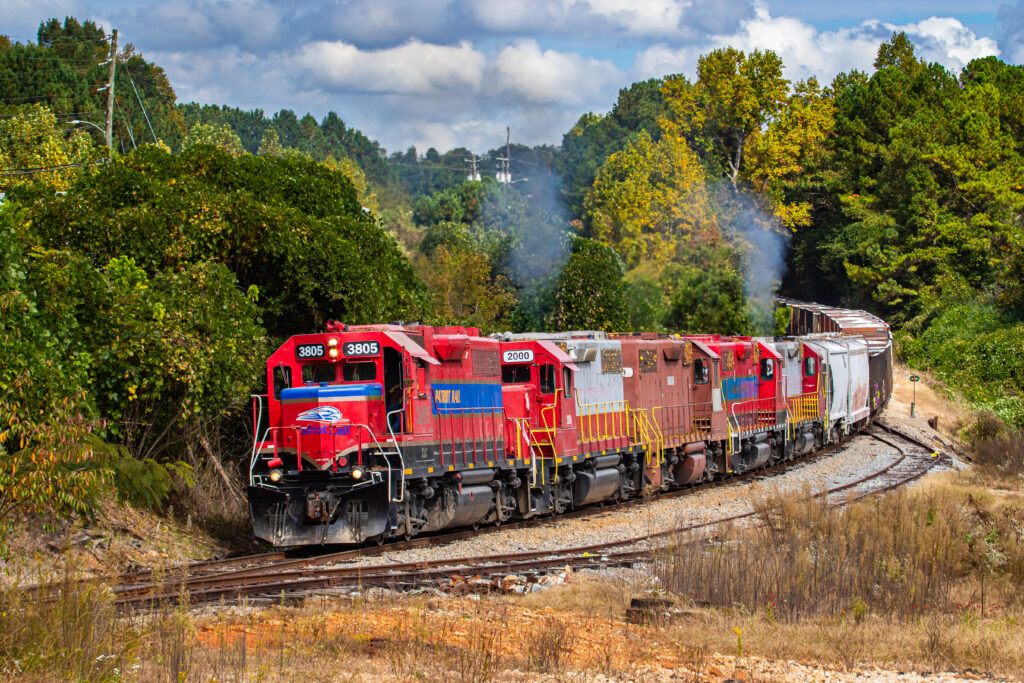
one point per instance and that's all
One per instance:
(858, 458)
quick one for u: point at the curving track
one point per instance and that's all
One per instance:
(273, 575)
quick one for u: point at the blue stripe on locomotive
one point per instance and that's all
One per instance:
(740, 388)
(461, 398)
(333, 392)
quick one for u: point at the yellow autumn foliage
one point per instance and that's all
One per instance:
(31, 139)
(649, 201)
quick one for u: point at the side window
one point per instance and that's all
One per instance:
(810, 366)
(547, 379)
(515, 374)
(282, 379)
(567, 381)
(767, 369)
(318, 373)
(700, 371)
(359, 372)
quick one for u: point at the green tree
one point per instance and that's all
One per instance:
(46, 466)
(214, 135)
(262, 217)
(589, 293)
(594, 138)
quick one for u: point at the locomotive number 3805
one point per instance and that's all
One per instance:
(371, 348)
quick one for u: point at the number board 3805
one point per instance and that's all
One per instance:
(368, 348)
(309, 351)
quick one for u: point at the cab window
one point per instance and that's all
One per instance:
(358, 372)
(810, 366)
(318, 373)
(700, 371)
(515, 375)
(767, 369)
(547, 379)
(567, 381)
(282, 379)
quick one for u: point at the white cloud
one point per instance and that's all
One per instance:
(524, 70)
(412, 68)
(1011, 31)
(947, 41)
(206, 24)
(806, 51)
(21, 18)
(649, 18)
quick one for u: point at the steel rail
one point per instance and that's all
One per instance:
(276, 579)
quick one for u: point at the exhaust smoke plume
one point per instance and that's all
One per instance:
(763, 241)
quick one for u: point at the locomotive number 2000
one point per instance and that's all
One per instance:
(309, 351)
(371, 348)
(517, 356)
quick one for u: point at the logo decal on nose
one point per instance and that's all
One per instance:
(321, 414)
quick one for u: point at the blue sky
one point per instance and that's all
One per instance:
(445, 73)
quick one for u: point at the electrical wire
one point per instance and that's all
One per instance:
(47, 169)
(127, 123)
(144, 112)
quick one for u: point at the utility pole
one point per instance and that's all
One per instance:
(110, 91)
(474, 174)
(505, 163)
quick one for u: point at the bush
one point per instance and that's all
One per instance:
(976, 347)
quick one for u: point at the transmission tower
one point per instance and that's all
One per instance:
(504, 173)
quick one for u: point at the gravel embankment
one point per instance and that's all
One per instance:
(858, 458)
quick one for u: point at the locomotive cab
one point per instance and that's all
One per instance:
(540, 377)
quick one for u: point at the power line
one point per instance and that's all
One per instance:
(50, 96)
(56, 39)
(50, 58)
(127, 123)
(55, 113)
(144, 112)
(46, 169)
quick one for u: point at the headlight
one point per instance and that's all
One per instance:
(332, 342)
(357, 473)
(275, 475)
(332, 352)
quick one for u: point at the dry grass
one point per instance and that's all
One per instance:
(925, 580)
(904, 554)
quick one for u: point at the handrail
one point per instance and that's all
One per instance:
(691, 422)
(462, 412)
(603, 421)
(755, 417)
(401, 458)
(256, 425)
(804, 406)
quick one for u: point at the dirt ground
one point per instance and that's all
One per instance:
(928, 403)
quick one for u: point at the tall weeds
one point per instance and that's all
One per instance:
(73, 634)
(903, 554)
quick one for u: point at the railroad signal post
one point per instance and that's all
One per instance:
(914, 380)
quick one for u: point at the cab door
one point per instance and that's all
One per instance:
(418, 395)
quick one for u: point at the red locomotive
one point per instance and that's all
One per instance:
(378, 431)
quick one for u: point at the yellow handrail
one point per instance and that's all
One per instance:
(645, 428)
(603, 421)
